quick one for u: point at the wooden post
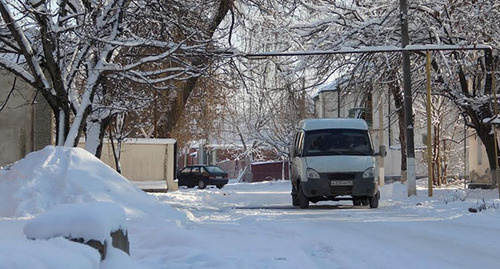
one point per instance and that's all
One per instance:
(465, 155)
(428, 109)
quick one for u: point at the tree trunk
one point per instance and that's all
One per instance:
(484, 133)
(177, 108)
(398, 101)
(117, 150)
(94, 135)
(62, 124)
(478, 114)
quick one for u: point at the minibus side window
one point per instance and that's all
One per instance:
(296, 140)
(300, 143)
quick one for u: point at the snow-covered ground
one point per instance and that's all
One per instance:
(244, 225)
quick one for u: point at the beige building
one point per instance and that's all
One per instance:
(331, 101)
(479, 168)
(25, 119)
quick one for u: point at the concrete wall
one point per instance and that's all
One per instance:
(144, 159)
(25, 121)
(327, 103)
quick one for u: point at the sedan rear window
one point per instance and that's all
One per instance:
(186, 170)
(214, 169)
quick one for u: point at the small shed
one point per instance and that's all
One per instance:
(145, 160)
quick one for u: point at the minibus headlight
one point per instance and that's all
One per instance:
(311, 173)
(369, 173)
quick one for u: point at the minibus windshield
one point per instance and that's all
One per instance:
(337, 142)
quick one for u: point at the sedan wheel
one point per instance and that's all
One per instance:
(219, 186)
(201, 184)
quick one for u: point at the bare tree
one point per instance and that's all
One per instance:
(447, 134)
(268, 96)
(67, 48)
(334, 24)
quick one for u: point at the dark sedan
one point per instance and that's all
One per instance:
(202, 176)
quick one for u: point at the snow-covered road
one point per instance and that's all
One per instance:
(242, 225)
(255, 226)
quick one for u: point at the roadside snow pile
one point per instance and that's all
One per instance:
(452, 199)
(60, 175)
(88, 221)
(395, 191)
(53, 253)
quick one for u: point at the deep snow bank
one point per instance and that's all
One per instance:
(59, 175)
(88, 221)
(55, 253)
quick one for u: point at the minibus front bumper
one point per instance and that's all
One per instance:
(340, 184)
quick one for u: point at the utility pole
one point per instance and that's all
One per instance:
(410, 146)
(430, 175)
(381, 171)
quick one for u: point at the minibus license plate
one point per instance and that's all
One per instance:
(341, 182)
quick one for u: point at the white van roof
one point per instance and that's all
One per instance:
(332, 123)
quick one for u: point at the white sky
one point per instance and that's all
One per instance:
(242, 225)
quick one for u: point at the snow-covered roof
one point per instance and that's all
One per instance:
(150, 141)
(331, 86)
(225, 146)
(266, 162)
(162, 141)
